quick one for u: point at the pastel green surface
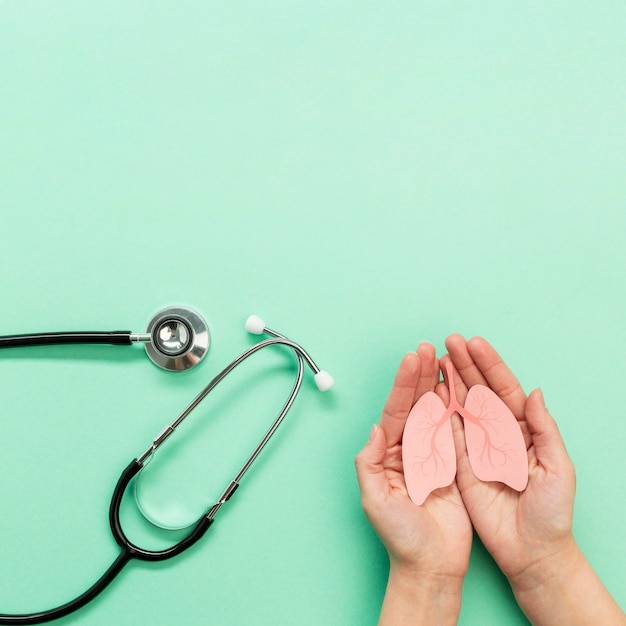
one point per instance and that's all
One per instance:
(362, 175)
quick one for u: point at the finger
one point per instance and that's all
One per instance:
(429, 370)
(400, 400)
(478, 363)
(463, 361)
(460, 387)
(547, 442)
(458, 433)
(442, 391)
(370, 472)
(498, 376)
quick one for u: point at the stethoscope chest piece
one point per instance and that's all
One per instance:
(179, 339)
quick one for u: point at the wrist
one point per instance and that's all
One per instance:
(432, 582)
(419, 598)
(546, 586)
(565, 585)
(551, 570)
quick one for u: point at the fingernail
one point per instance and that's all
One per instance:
(543, 400)
(373, 432)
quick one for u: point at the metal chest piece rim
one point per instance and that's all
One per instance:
(179, 339)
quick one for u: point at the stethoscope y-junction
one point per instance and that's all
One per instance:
(177, 339)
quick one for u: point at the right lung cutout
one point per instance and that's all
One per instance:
(495, 445)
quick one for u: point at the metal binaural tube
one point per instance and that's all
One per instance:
(234, 483)
(277, 340)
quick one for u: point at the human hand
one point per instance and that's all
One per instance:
(529, 534)
(522, 531)
(428, 545)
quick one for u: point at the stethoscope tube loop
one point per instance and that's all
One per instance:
(203, 524)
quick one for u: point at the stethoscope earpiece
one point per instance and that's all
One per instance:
(177, 339)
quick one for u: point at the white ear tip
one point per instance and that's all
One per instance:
(255, 325)
(324, 380)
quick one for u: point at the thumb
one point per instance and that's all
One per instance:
(369, 465)
(547, 441)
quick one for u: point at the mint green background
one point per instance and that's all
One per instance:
(364, 176)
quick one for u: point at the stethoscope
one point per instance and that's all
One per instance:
(177, 339)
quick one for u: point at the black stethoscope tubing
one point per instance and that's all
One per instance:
(116, 337)
(129, 550)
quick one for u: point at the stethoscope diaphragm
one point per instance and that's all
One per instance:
(179, 339)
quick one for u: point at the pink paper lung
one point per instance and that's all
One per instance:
(495, 444)
(428, 455)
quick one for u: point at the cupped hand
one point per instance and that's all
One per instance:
(432, 540)
(522, 531)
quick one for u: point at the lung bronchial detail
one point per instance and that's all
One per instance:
(495, 444)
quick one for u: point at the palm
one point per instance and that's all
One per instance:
(437, 535)
(512, 524)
